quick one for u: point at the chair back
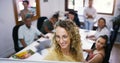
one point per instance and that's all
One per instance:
(110, 46)
(40, 22)
(15, 37)
(107, 53)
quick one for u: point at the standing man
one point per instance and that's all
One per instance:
(25, 11)
(89, 15)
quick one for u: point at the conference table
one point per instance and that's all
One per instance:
(46, 42)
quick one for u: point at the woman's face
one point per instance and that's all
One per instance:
(101, 23)
(62, 38)
(100, 43)
(71, 16)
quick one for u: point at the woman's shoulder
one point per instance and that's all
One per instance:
(97, 58)
(101, 53)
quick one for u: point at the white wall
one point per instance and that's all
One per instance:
(6, 24)
(50, 7)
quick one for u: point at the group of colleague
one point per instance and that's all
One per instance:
(66, 42)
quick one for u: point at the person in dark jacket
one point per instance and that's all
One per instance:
(72, 15)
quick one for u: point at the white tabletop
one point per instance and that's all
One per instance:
(86, 43)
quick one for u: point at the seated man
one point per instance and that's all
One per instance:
(25, 11)
(27, 33)
(48, 25)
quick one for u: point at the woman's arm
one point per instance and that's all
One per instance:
(91, 37)
(98, 58)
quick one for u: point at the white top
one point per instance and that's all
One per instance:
(27, 34)
(90, 11)
(104, 31)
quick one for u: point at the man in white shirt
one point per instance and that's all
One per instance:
(89, 16)
(27, 33)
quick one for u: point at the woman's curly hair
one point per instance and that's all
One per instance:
(73, 33)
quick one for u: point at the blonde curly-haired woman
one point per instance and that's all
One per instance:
(66, 45)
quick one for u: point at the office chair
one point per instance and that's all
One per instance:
(40, 22)
(15, 37)
(109, 47)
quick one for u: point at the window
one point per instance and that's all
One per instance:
(76, 5)
(102, 6)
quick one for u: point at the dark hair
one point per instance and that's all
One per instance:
(55, 16)
(72, 12)
(90, 0)
(26, 1)
(104, 37)
(76, 19)
(102, 19)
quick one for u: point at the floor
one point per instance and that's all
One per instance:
(115, 54)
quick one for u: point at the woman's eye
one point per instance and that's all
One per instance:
(98, 41)
(65, 36)
(57, 36)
